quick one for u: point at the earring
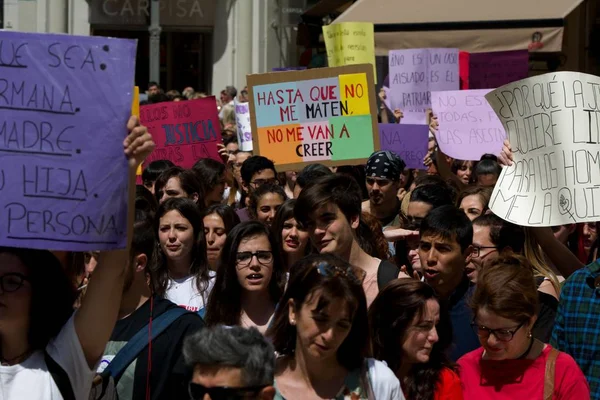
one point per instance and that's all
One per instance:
(529, 335)
(293, 322)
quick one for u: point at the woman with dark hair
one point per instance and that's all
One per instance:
(292, 238)
(265, 201)
(412, 335)
(182, 273)
(144, 200)
(321, 333)
(250, 279)
(463, 170)
(41, 338)
(370, 237)
(487, 170)
(151, 173)
(211, 176)
(512, 363)
(474, 200)
(178, 182)
(218, 221)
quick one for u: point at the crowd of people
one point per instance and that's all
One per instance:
(355, 282)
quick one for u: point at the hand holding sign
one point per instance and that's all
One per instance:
(553, 129)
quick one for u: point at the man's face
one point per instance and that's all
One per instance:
(442, 262)
(382, 191)
(484, 251)
(262, 177)
(226, 382)
(331, 232)
(152, 90)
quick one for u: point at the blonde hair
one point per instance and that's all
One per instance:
(534, 253)
(229, 115)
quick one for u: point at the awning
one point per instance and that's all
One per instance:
(470, 25)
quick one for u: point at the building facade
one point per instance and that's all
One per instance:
(206, 44)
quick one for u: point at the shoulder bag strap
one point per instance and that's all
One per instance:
(366, 380)
(550, 372)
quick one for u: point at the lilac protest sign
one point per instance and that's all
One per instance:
(406, 140)
(415, 73)
(64, 105)
(469, 128)
(492, 70)
(244, 127)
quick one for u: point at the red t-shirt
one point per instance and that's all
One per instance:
(449, 386)
(520, 379)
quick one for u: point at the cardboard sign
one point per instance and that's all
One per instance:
(184, 131)
(553, 127)
(244, 127)
(135, 110)
(492, 70)
(406, 140)
(325, 115)
(350, 43)
(64, 109)
(283, 69)
(469, 128)
(415, 73)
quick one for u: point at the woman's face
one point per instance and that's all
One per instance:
(267, 207)
(465, 171)
(176, 236)
(496, 349)
(589, 235)
(420, 337)
(15, 294)
(215, 234)
(237, 166)
(413, 255)
(254, 264)
(290, 177)
(472, 206)
(320, 333)
(294, 237)
(404, 177)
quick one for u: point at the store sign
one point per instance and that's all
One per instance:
(198, 13)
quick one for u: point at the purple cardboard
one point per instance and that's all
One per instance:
(64, 105)
(406, 140)
(495, 69)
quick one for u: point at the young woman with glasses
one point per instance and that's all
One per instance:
(512, 364)
(250, 279)
(321, 333)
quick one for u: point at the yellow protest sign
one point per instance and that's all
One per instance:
(135, 110)
(350, 43)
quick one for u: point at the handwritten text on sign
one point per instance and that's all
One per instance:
(415, 73)
(64, 106)
(183, 131)
(309, 120)
(469, 128)
(406, 140)
(350, 43)
(553, 124)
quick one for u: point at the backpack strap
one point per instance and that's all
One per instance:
(550, 373)
(386, 273)
(60, 377)
(139, 341)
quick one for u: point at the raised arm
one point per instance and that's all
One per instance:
(96, 318)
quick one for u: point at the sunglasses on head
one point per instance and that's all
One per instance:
(197, 392)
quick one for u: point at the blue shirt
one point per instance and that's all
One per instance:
(464, 338)
(577, 325)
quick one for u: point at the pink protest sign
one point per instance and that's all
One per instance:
(469, 128)
(415, 73)
(184, 131)
(492, 70)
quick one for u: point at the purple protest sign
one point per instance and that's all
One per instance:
(406, 140)
(415, 73)
(469, 128)
(244, 127)
(495, 69)
(64, 108)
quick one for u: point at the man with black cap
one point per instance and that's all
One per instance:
(383, 182)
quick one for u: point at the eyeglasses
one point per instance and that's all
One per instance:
(477, 250)
(12, 282)
(503, 335)
(244, 258)
(413, 223)
(259, 182)
(354, 273)
(197, 392)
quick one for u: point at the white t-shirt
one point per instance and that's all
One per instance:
(31, 380)
(184, 292)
